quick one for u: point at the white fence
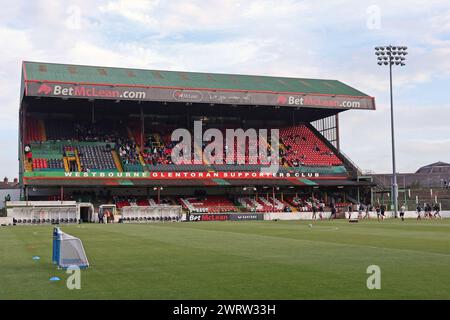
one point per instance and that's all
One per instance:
(161, 213)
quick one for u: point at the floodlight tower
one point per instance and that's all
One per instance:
(390, 56)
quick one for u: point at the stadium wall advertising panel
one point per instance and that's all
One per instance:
(211, 96)
(209, 217)
(225, 216)
(246, 216)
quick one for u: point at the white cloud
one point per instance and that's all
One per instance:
(421, 133)
(136, 10)
(17, 44)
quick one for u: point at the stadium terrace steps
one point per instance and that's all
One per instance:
(140, 157)
(66, 164)
(304, 149)
(251, 204)
(208, 204)
(43, 134)
(135, 201)
(96, 157)
(303, 146)
(262, 204)
(158, 139)
(71, 155)
(33, 130)
(77, 159)
(133, 135)
(299, 203)
(267, 206)
(86, 155)
(117, 160)
(59, 130)
(350, 167)
(46, 150)
(48, 164)
(27, 165)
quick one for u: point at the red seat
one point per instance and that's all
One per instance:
(303, 144)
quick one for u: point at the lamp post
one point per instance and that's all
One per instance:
(390, 56)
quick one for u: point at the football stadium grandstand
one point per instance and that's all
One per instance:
(102, 136)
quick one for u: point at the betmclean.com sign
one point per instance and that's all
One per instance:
(171, 175)
(198, 96)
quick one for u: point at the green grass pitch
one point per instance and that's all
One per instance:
(234, 260)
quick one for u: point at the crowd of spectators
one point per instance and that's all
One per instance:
(297, 158)
(127, 150)
(156, 154)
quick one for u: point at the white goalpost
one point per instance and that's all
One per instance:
(68, 251)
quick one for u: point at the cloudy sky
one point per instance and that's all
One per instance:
(312, 39)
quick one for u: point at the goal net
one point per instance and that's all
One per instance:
(68, 251)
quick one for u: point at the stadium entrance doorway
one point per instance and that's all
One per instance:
(86, 212)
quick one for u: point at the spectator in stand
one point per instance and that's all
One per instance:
(316, 147)
(28, 153)
(128, 152)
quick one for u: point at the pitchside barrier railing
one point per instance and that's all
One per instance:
(45, 215)
(159, 213)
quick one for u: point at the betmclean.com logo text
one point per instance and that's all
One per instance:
(82, 91)
(316, 101)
